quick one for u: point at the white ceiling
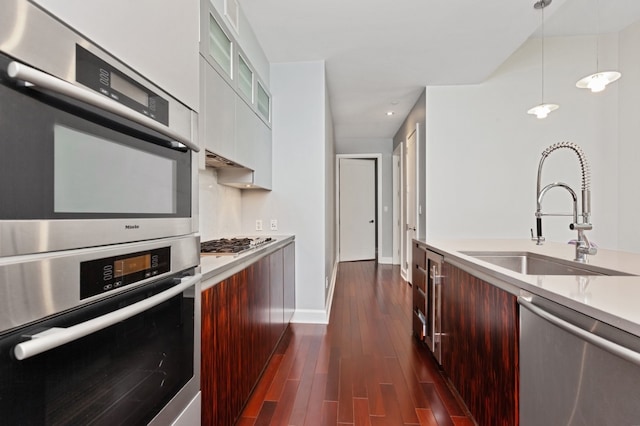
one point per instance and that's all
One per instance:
(380, 54)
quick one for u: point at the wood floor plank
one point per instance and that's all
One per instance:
(345, 403)
(304, 391)
(313, 410)
(426, 417)
(393, 414)
(361, 412)
(405, 398)
(285, 404)
(329, 413)
(259, 393)
(266, 413)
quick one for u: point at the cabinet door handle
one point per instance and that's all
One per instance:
(437, 279)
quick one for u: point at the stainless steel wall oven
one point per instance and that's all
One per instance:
(92, 153)
(100, 336)
(99, 257)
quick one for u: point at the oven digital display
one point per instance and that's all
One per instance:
(132, 265)
(129, 89)
(110, 273)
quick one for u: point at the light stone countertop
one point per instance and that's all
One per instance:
(216, 268)
(614, 300)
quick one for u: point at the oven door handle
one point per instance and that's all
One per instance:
(55, 337)
(37, 78)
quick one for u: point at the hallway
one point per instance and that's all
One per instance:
(363, 368)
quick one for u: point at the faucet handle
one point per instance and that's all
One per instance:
(581, 227)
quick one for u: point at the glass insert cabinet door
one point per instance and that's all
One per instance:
(263, 103)
(245, 79)
(220, 46)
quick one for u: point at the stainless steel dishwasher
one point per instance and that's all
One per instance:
(575, 370)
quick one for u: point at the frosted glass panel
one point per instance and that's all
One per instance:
(96, 175)
(245, 80)
(264, 103)
(219, 45)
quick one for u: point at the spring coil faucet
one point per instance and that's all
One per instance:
(583, 247)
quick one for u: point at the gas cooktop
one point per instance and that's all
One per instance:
(232, 246)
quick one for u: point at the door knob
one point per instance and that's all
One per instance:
(371, 221)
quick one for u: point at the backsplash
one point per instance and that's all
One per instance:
(220, 207)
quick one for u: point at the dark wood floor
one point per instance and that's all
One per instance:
(363, 368)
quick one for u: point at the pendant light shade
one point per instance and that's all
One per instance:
(543, 109)
(598, 81)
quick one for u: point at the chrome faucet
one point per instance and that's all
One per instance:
(583, 247)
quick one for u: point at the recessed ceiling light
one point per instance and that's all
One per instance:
(390, 112)
(395, 102)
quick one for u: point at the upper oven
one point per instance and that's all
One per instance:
(92, 153)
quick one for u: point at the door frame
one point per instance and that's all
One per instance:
(397, 207)
(378, 183)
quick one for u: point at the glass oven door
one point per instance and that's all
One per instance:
(121, 372)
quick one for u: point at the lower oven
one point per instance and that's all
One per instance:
(100, 336)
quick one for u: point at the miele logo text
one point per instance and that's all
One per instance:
(131, 227)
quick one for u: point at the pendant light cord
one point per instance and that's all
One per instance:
(597, 36)
(542, 88)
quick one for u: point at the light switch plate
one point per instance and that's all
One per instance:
(258, 225)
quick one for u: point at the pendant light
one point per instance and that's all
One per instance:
(541, 111)
(598, 81)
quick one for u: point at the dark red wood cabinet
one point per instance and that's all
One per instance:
(479, 341)
(243, 318)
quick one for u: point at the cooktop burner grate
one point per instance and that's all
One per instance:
(231, 245)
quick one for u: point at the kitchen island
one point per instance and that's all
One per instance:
(248, 300)
(610, 299)
(528, 336)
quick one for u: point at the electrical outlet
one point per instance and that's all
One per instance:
(274, 224)
(258, 225)
(326, 282)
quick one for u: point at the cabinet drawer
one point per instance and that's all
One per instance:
(419, 256)
(419, 277)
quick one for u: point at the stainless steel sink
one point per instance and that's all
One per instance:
(536, 264)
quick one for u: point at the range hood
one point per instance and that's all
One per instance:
(219, 162)
(230, 173)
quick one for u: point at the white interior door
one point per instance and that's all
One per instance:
(357, 209)
(397, 188)
(410, 186)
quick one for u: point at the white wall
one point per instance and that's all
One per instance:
(298, 198)
(220, 210)
(330, 257)
(483, 149)
(629, 152)
(383, 146)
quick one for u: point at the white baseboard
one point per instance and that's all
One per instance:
(318, 316)
(385, 260)
(403, 274)
(310, 316)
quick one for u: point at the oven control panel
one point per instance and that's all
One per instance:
(100, 76)
(110, 273)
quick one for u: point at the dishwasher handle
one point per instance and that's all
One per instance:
(602, 343)
(55, 337)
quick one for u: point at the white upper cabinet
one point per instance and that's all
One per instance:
(217, 118)
(157, 39)
(236, 119)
